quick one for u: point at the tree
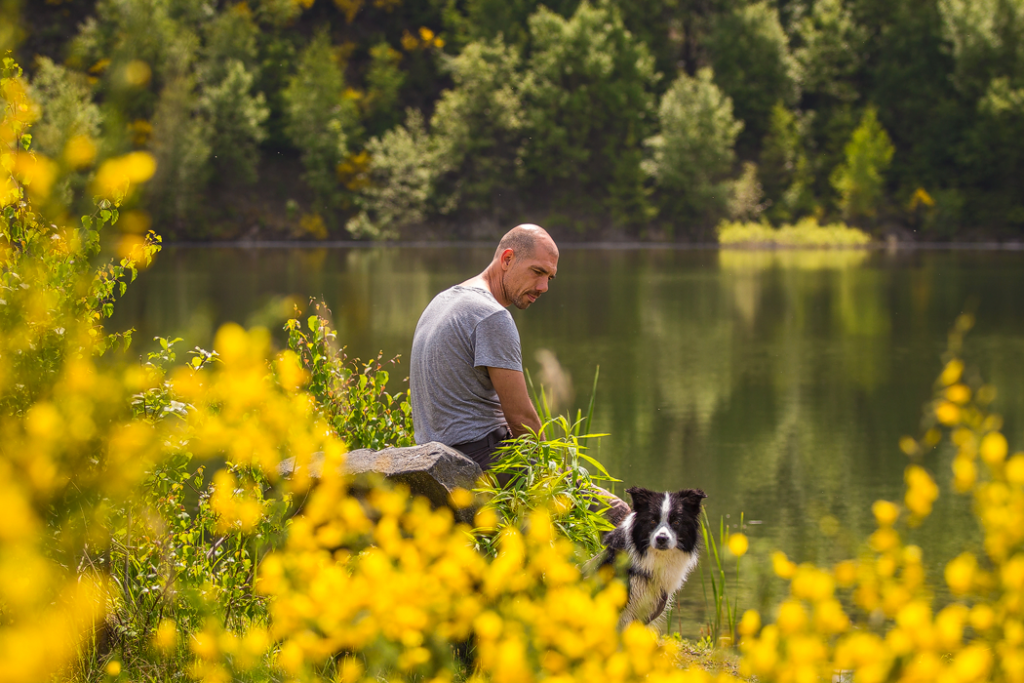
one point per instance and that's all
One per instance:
(784, 167)
(860, 180)
(831, 53)
(477, 125)
(320, 118)
(692, 157)
(588, 95)
(753, 66)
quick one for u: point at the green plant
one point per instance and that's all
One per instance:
(722, 615)
(353, 396)
(551, 469)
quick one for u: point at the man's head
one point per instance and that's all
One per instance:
(525, 260)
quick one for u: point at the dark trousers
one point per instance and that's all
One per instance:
(482, 450)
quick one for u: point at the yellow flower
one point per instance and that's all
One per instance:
(113, 668)
(965, 474)
(993, 448)
(462, 498)
(908, 445)
(951, 373)
(958, 393)
(738, 544)
(781, 565)
(972, 663)
(845, 573)
(166, 636)
(982, 617)
(116, 176)
(886, 513)
(792, 617)
(80, 152)
(1015, 469)
(750, 623)
(960, 573)
(947, 413)
(426, 34)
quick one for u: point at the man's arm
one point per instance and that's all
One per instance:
(515, 400)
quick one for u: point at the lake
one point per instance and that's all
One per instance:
(777, 381)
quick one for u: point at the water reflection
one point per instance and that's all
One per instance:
(777, 381)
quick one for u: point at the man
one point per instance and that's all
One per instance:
(466, 366)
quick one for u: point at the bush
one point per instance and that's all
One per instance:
(691, 159)
(403, 169)
(806, 233)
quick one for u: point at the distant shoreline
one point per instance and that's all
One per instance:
(624, 246)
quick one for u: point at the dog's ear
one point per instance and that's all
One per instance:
(691, 500)
(640, 496)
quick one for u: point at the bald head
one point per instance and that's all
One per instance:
(524, 241)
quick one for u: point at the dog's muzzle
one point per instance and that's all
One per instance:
(662, 540)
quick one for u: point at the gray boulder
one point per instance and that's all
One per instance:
(431, 470)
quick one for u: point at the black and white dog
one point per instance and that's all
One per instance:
(661, 541)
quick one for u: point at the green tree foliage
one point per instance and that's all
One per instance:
(236, 120)
(784, 168)
(860, 180)
(831, 52)
(753, 65)
(477, 125)
(320, 118)
(476, 20)
(384, 81)
(403, 170)
(589, 102)
(692, 157)
(67, 113)
(559, 124)
(181, 145)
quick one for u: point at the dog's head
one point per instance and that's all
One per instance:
(666, 521)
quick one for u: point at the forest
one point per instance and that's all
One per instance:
(603, 120)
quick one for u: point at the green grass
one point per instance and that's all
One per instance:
(806, 233)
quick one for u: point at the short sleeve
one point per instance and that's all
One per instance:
(497, 343)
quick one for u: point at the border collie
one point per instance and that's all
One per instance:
(661, 541)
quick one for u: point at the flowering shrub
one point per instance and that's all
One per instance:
(875, 617)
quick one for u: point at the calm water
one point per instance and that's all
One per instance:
(778, 382)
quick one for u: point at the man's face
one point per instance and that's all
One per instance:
(525, 278)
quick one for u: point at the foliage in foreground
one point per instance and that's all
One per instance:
(806, 233)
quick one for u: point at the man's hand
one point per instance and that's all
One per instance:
(515, 400)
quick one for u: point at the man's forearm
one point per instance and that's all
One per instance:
(515, 400)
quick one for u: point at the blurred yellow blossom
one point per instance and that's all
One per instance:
(738, 544)
(116, 176)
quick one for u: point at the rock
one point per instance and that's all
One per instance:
(431, 470)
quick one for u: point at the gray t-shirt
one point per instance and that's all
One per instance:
(461, 333)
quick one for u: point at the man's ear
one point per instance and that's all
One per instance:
(506, 257)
